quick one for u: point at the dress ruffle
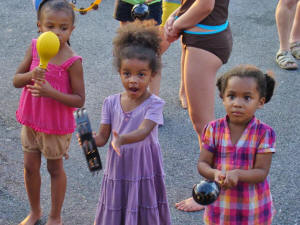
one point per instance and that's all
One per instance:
(134, 191)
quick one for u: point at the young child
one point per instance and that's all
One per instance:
(133, 190)
(46, 108)
(122, 13)
(237, 150)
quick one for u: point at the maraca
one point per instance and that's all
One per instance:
(47, 46)
(140, 11)
(86, 137)
(206, 192)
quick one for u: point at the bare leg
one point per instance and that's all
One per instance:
(154, 85)
(295, 34)
(285, 13)
(182, 95)
(58, 190)
(32, 179)
(200, 91)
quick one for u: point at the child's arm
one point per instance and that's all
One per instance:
(76, 99)
(103, 134)
(205, 169)
(135, 136)
(256, 175)
(23, 76)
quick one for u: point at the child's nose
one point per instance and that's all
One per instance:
(57, 32)
(133, 79)
(237, 102)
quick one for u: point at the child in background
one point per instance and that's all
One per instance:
(237, 150)
(122, 13)
(46, 108)
(133, 190)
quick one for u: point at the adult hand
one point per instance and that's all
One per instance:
(169, 32)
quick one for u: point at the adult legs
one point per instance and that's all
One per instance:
(200, 92)
(285, 14)
(32, 179)
(182, 95)
(58, 190)
(295, 34)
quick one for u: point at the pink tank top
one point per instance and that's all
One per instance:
(45, 114)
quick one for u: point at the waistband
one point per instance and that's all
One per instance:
(214, 29)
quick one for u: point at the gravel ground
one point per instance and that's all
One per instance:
(255, 42)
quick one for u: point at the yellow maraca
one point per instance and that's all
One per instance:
(47, 46)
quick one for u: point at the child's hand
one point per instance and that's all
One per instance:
(42, 88)
(66, 155)
(116, 142)
(231, 179)
(220, 177)
(79, 140)
(38, 74)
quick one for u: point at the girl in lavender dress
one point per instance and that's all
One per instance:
(133, 190)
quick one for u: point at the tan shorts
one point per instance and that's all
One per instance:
(52, 146)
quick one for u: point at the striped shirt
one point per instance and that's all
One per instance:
(245, 204)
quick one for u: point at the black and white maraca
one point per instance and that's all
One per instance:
(140, 11)
(206, 192)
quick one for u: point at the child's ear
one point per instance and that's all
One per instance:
(261, 102)
(38, 24)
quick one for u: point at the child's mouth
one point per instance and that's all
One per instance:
(133, 89)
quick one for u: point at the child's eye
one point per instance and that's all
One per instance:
(231, 97)
(126, 74)
(247, 98)
(141, 74)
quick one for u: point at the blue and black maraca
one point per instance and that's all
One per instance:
(206, 192)
(140, 11)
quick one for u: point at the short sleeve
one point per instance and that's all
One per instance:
(208, 141)
(155, 111)
(106, 112)
(267, 142)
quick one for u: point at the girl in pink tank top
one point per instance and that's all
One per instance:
(46, 108)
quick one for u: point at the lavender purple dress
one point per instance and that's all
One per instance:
(133, 189)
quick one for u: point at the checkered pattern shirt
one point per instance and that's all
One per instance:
(246, 203)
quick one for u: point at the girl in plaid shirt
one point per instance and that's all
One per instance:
(237, 150)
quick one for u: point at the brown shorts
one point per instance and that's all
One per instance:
(52, 146)
(220, 44)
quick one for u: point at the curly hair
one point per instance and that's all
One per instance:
(138, 40)
(265, 81)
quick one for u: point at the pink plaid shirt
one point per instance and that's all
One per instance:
(246, 203)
